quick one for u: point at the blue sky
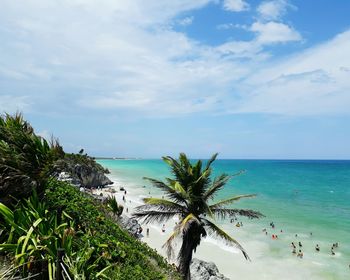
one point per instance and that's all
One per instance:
(245, 78)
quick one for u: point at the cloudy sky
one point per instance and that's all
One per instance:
(245, 78)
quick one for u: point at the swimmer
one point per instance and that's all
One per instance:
(163, 228)
(294, 251)
(300, 254)
(300, 245)
(332, 252)
(317, 248)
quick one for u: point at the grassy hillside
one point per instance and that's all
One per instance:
(39, 215)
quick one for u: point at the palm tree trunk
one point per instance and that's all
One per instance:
(185, 256)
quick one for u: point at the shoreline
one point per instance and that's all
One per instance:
(262, 249)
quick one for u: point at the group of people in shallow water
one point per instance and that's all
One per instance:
(299, 253)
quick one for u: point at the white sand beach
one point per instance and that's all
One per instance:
(230, 261)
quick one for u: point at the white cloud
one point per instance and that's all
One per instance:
(226, 26)
(274, 10)
(235, 5)
(313, 82)
(124, 57)
(274, 32)
(12, 104)
(185, 21)
(45, 134)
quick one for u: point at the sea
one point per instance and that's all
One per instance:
(308, 201)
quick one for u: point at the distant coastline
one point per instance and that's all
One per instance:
(119, 158)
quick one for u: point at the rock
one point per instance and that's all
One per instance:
(201, 270)
(131, 225)
(90, 177)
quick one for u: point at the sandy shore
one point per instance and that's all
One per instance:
(229, 260)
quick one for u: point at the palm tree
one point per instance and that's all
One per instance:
(189, 194)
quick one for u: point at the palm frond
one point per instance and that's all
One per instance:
(217, 185)
(168, 245)
(151, 216)
(223, 213)
(163, 204)
(214, 229)
(211, 160)
(170, 192)
(231, 200)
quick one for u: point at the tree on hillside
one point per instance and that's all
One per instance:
(25, 158)
(189, 193)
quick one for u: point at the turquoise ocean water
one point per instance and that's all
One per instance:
(300, 197)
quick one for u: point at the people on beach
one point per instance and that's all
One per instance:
(317, 248)
(163, 228)
(147, 232)
(294, 251)
(332, 252)
(300, 245)
(300, 254)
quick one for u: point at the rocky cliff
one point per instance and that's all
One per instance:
(201, 270)
(82, 170)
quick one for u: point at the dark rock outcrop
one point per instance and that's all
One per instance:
(201, 270)
(82, 171)
(131, 225)
(90, 177)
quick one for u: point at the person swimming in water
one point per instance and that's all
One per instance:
(317, 248)
(300, 254)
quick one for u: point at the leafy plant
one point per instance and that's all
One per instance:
(108, 245)
(25, 158)
(113, 205)
(32, 233)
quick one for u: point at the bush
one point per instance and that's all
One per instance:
(106, 243)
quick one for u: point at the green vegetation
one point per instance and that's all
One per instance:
(44, 215)
(113, 206)
(108, 245)
(189, 194)
(25, 159)
(32, 233)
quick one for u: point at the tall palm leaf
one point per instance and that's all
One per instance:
(188, 196)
